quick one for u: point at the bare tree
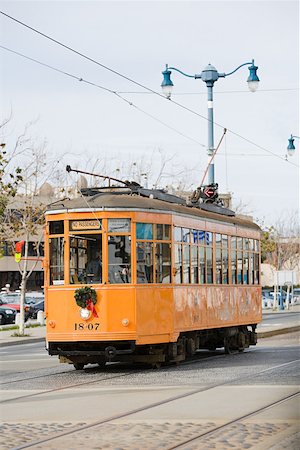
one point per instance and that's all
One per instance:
(10, 178)
(282, 243)
(23, 213)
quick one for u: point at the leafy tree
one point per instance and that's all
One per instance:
(268, 244)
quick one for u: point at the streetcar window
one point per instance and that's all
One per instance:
(194, 237)
(56, 227)
(224, 259)
(177, 234)
(186, 264)
(218, 239)
(209, 265)
(56, 250)
(178, 275)
(224, 240)
(224, 266)
(119, 225)
(221, 259)
(251, 268)
(205, 237)
(86, 259)
(239, 267)
(205, 257)
(246, 268)
(218, 266)
(144, 262)
(162, 232)
(144, 231)
(202, 265)
(119, 259)
(194, 264)
(163, 263)
(208, 238)
(233, 265)
(240, 243)
(256, 268)
(233, 242)
(201, 237)
(246, 244)
(185, 234)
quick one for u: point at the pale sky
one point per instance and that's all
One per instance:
(81, 122)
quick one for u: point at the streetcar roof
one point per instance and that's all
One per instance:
(123, 202)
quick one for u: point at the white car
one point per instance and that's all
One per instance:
(296, 295)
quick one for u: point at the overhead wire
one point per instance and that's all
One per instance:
(141, 85)
(111, 91)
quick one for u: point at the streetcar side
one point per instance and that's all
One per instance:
(168, 285)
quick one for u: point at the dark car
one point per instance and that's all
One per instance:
(7, 315)
(35, 308)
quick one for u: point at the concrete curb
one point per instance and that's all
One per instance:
(21, 341)
(264, 334)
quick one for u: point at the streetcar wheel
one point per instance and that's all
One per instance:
(156, 365)
(228, 347)
(2, 320)
(78, 366)
(212, 348)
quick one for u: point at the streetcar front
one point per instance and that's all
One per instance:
(90, 302)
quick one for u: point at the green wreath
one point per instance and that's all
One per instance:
(84, 295)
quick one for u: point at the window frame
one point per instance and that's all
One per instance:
(155, 242)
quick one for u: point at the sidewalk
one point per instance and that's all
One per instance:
(279, 326)
(35, 334)
(264, 329)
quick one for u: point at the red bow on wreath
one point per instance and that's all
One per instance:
(90, 306)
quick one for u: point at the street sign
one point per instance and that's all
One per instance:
(209, 192)
(284, 277)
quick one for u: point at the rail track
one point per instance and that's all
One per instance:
(107, 371)
(210, 433)
(90, 426)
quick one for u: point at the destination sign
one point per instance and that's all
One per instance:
(79, 225)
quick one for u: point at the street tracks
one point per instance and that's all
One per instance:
(55, 437)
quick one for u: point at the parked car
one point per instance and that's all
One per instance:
(34, 297)
(12, 300)
(267, 302)
(296, 295)
(35, 308)
(7, 315)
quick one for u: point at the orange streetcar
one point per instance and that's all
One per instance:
(133, 274)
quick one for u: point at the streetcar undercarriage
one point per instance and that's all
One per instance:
(232, 339)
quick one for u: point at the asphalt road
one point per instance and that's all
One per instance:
(282, 317)
(121, 406)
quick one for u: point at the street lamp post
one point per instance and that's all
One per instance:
(210, 75)
(291, 148)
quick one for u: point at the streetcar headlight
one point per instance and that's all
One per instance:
(85, 314)
(125, 322)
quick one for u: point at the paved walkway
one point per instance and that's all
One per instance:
(264, 329)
